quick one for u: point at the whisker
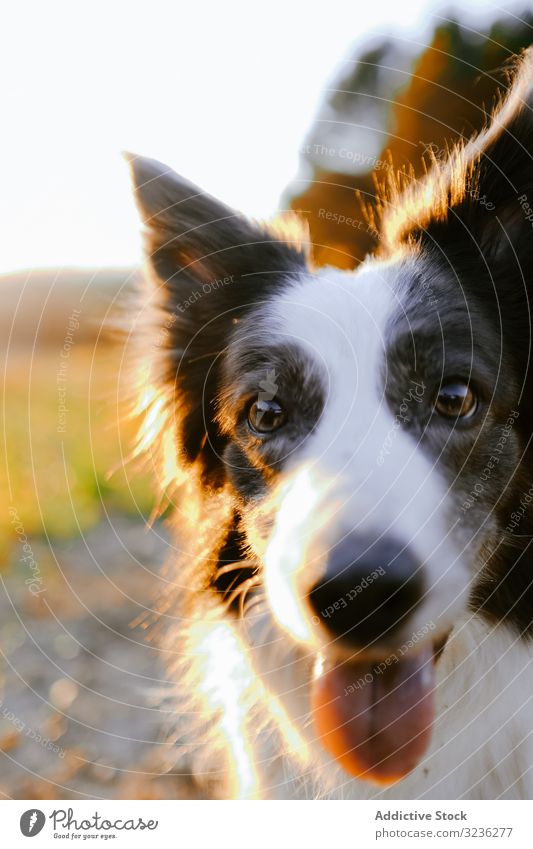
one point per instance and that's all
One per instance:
(240, 590)
(234, 567)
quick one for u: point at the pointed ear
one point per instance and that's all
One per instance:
(480, 196)
(210, 265)
(499, 182)
(191, 238)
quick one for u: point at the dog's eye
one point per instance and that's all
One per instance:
(456, 400)
(265, 416)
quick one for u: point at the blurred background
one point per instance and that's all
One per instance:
(302, 106)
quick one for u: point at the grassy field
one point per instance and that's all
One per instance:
(78, 565)
(56, 464)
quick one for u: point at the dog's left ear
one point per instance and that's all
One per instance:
(209, 265)
(497, 204)
(479, 198)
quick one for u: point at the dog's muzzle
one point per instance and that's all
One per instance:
(373, 712)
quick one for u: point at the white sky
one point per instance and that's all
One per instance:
(223, 91)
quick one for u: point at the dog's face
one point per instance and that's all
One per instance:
(371, 429)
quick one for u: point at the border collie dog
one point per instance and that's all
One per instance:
(350, 608)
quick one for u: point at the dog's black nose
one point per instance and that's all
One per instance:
(369, 589)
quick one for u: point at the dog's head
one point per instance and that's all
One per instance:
(371, 429)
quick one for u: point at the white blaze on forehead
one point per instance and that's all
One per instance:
(340, 316)
(340, 321)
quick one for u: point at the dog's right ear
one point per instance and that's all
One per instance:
(193, 239)
(210, 266)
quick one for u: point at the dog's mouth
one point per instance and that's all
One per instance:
(375, 718)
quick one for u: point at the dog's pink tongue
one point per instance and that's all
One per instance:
(376, 724)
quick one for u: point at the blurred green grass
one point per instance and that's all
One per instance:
(58, 482)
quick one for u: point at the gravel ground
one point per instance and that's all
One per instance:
(79, 715)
